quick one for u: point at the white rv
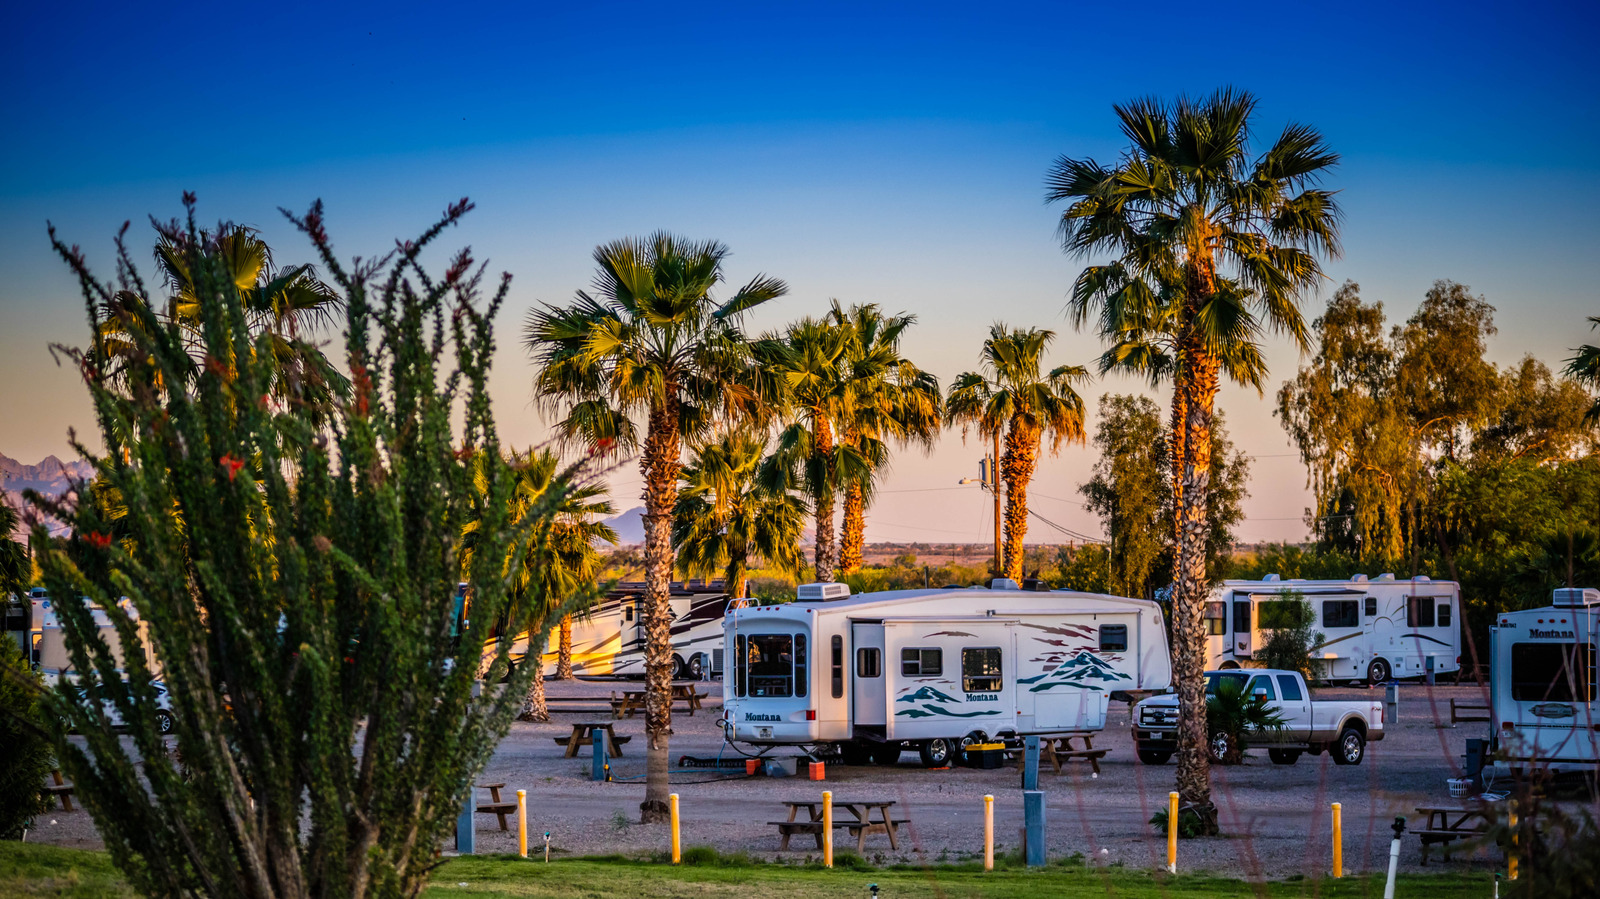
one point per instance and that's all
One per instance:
(1542, 683)
(1372, 630)
(934, 670)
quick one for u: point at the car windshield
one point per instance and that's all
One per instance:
(1216, 677)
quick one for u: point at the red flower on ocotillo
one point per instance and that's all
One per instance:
(99, 540)
(231, 464)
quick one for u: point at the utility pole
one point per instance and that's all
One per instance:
(994, 488)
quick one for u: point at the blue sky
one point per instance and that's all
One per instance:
(893, 155)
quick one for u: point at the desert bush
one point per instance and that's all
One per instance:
(27, 757)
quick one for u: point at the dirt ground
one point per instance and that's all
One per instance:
(1275, 818)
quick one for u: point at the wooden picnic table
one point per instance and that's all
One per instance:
(859, 823)
(496, 806)
(583, 735)
(1057, 749)
(60, 789)
(633, 700)
(1448, 823)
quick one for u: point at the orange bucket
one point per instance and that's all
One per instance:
(817, 771)
(751, 765)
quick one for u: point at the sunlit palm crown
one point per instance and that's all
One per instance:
(724, 514)
(1187, 205)
(1012, 387)
(1585, 369)
(887, 396)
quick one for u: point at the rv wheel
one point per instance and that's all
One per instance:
(677, 667)
(976, 736)
(936, 753)
(697, 668)
(1378, 672)
(886, 753)
(853, 753)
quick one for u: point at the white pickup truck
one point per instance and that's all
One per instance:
(1343, 727)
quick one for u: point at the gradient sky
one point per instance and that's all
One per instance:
(893, 155)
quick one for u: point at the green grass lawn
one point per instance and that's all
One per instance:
(28, 870)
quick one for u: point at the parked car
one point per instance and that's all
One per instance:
(165, 719)
(1343, 727)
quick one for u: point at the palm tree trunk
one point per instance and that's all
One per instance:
(853, 531)
(735, 577)
(534, 708)
(1016, 467)
(660, 466)
(826, 550)
(564, 658)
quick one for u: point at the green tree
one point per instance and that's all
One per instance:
(1540, 416)
(16, 568)
(28, 759)
(1585, 368)
(295, 582)
(565, 563)
(652, 342)
(1187, 209)
(1012, 396)
(725, 515)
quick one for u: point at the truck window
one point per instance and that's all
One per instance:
(770, 660)
(1225, 677)
(921, 662)
(869, 662)
(1552, 672)
(800, 675)
(980, 671)
(1444, 614)
(1261, 682)
(1290, 688)
(1419, 611)
(1241, 617)
(1216, 623)
(1114, 638)
(1340, 613)
(838, 666)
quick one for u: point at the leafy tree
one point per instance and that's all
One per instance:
(1442, 382)
(28, 758)
(887, 398)
(1292, 636)
(1014, 397)
(1540, 417)
(1235, 240)
(1585, 369)
(652, 342)
(295, 582)
(725, 515)
(565, 563)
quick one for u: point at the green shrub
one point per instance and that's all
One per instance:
(1189, 823)
(27, 758)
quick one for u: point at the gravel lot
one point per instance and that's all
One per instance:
(1275, 818)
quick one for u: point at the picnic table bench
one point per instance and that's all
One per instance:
(1469, 710)
(583, 735)
(60, 789)
(1056, 750)
(496, 806)
(859, 824)
(633, 700)
(1448, 823)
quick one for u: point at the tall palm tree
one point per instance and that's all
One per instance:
(725, 514)
(16, 569)
(886, 398)
(1187, 205)
(1013, 398)
(652, 342)
(561, 559)
(1585, 369)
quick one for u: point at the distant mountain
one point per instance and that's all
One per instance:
(629, 525)
(51, 477)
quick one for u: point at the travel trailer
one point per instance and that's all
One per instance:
(50, 641)
(609, 639)
(935, 669)
(1542, 683)
(1372, 630)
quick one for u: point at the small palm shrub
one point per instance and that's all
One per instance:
(1232, 716)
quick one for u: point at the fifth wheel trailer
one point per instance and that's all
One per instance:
(1543, 683)
(934, 669)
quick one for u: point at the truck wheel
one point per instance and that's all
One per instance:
(1218, 747)
(886, 753)
(1349, 748)
(1378, 672)
(936, 753)
(1154, 756)
(1283, 756)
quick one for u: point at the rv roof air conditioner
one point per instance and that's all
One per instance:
(1358, 579)
(1035, 585)
(1270, 577)
(1003, 583)
(1386, 576)
(823, 592)
(1575, 597)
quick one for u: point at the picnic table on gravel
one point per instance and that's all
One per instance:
(633, 700)
(583, 735)
(1057, 749)
(859, 823)
(1448, 823)
(496, 806)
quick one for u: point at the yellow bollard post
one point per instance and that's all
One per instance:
(677, 853)
(988, 833)
(1511, 857)
(1338, 840)
(522, 822)
(827, 828)
(1172, 833)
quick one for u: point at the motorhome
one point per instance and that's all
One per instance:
(49, 639)
(934, 669)
(1542, 683)
(1371, 629)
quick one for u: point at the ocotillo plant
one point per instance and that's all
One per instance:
(294, 585)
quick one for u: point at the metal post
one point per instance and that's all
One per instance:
(466, 837)
(600, 757)
(988, 833)
(1338, 840)
(522, 822)
(677, 850)
(1033, 824)
(1391, 698)
(827, 828)
(1030, 763)
(1428, 663)
(1172, 833)
(994, 488)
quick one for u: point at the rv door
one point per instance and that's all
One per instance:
(869, 690)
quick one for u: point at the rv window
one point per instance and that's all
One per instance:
(921, 662)
(1444, 614)
(1340, 613)
(1290, 687)
(799, 664)
(869, 663)
(980, 671)
(1114, 638)
(770, 658)
(1552, 672)
(1281, 613)
(627, 612)
(1241, 617)
(1216, 626)
(739, 667)
(838, 666)
(1372, 607)
(1419, 611)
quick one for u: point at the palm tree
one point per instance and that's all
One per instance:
(1585, 369)
(886, 398)
(1186, 206)
(561, 560)
(652, 342)
(16, 569)
(1011, 397)
(725, 515)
